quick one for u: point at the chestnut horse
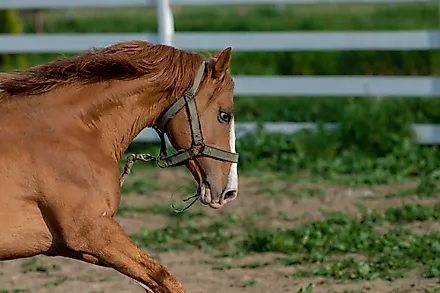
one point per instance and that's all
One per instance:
(65, 125)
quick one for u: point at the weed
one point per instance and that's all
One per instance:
(427, 186)
(249, 283)
(36, 264)
(58, 281)
(308, 289)
(251, 265)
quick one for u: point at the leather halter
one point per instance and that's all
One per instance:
(198, 146)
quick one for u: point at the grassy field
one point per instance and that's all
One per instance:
(283, 234)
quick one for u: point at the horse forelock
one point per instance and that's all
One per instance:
(169, 68)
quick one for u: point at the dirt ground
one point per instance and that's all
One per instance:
(194, 268)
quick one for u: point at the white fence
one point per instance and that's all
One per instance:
(368, 86)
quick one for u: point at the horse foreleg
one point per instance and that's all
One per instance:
(104, 242)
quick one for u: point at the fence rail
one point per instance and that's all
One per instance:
(367, 86)
(249, 41)
(370, 86)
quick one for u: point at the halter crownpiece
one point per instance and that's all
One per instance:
(198, 146)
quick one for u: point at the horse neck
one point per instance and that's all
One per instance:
(115, 112)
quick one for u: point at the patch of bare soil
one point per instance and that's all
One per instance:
(196, 270)
(418, 227)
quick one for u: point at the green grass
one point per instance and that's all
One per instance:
(342, 246)
(385, 254)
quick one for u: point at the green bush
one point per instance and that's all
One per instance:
(373, 144)
(10, 23)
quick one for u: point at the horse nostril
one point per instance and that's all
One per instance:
(230, 195)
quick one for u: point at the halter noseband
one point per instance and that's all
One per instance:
(198, 146)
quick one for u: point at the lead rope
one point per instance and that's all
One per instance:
(131, 159)
(195, 196)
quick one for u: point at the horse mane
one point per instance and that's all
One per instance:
(169, 68)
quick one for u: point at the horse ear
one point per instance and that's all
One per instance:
(223, 63)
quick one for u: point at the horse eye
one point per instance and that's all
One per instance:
(225, 117)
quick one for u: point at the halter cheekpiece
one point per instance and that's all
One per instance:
(198, 146)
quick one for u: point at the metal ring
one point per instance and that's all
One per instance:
(161, 165)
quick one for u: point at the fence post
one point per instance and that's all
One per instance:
(165, 21)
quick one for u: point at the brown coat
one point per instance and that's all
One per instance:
(65, 125)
